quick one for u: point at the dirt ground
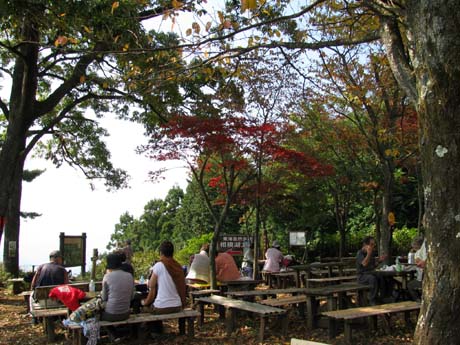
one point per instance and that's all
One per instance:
(16, 328)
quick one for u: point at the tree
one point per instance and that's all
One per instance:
(62, 58)
(366, 94)
(420, 39)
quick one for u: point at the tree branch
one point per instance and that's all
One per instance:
(48, 105)
(46, 130)
(399, 61)
(4, 108)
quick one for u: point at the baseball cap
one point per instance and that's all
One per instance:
(275, 244)
(55, 254)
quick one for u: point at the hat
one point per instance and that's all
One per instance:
(275, 244)
(55, 254)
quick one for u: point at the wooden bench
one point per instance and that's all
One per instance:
(336, 296)
(231, 306)
(348, 315)
(300, 300)
(330, 280)
(186, 316)
(295, 341)
(201, 293)
(264, 293)
(48, 311)
(26, 295)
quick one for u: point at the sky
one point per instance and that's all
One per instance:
(67, 204)
(65, 199)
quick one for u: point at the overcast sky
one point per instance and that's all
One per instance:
(67, 203)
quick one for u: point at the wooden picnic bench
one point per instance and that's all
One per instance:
(264, 293)
(186, 316)
(201, 293)
(299, 300)
(336, 297)
(231, 306)
(330, 280)
(48, 310)
(295, 341)
(349, 315)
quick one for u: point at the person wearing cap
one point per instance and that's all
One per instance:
(51, 273)
(117, 290)
(274, 258)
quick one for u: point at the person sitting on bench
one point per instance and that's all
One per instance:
(51, 273)
(415, 285)
(166, 286)
(365, 264)
(117, 290)
(226, 268)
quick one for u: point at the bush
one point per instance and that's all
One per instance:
(192, 247)
(402, 240)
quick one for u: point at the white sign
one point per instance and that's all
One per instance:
(297, 238)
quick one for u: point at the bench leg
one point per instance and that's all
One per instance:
(221, 310)
(407, 319)
(77, 336)
(372, 321)
(262, 329)
(332, 328)
(230, 320)
(302, 309)
(181, 326)
(191, 327)
(201, 318)
(48, 323)
(347, 329)
(311, 312)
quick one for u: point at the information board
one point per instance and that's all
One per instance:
(233, 243)
(297, 238)
(73, 249)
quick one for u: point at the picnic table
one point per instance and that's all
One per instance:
(231, 285)
(318, 268)
(402, 277)
(329, 280)
(336, 299)
(281, 280)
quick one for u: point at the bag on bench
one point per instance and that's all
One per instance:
(88, 310)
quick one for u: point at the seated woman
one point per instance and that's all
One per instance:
(226, 268)
(166, 286)
(117, 290)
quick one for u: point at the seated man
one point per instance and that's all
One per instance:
(117, 290)
(51, 273)
(365, 265)
(226, 268)
(415, 285)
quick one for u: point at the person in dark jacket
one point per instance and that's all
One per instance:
(51, 273)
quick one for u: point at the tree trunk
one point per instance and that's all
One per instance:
(11, 246)
(11, 185)
(384, 244)
(13, 151)
(434, 25)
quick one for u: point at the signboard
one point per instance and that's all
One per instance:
(297, 238)
(73, 249)
(233, 244)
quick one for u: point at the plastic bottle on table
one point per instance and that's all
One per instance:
(141, 280)
(398, 265)
(92, 286)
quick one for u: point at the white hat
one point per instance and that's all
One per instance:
(275, 244)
